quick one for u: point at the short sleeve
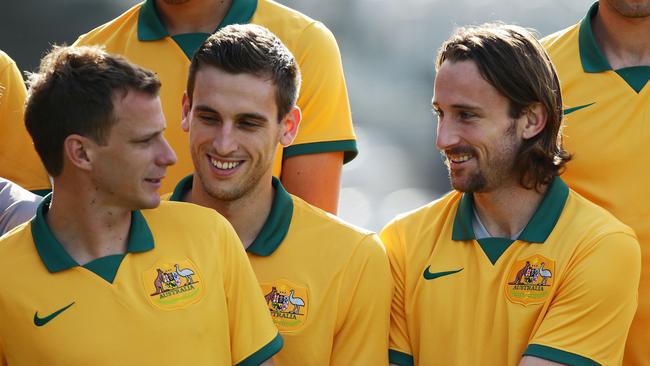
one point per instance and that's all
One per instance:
(366, 289)
(326, 125)
(19, 161)
(253, 336)
(400, 352)
(589, 317)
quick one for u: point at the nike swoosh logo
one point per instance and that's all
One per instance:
(573, 109)
(39, 322)
(430, 276)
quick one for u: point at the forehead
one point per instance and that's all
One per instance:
(461, 82)
(234, 93)
(137, 112)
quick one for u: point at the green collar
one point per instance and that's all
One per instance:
(276, 225)
(538, 228)
(593, 60)
(151, 28)
(56, 259)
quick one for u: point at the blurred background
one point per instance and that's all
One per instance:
(388, 48)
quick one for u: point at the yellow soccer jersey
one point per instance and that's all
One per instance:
(607, 119)
(190, 299)
(326, 126)
(327, 284)
(565, 290)
(18, 159)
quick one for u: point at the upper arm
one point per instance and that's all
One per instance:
(591, 312)
(364, 308)
(536, 361)
(312, 163)
(316, 178)
(400, 346)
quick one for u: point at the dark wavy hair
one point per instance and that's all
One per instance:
(512, 60)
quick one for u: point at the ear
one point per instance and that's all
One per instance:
(289, 128)
(185, 116)
(77, 150)
(535, 121)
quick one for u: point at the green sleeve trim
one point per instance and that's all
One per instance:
(555, 355)
(349, 148)
(400, 358)
(264, 353)
(41, 192)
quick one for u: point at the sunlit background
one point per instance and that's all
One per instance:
(388, 49)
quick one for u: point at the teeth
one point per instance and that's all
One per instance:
(460, 159)
(225, 165)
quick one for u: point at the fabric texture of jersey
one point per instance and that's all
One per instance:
(19, 161)
(17, 205)
(184, 293)
(326, 283)
(607, 128)
(564, 291)
(326, 126)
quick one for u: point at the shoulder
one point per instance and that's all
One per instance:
(295, 29)
(180, 215)
(109, 29)
(309, 220)
(597, 228)
(16, 244)
(560, 40)
(429, 217)
(5, 60)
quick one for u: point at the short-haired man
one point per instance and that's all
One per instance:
(162, 35)
(512, 267)
(604, 66)
(100, 277)
(327, 284)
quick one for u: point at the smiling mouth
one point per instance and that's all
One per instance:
(224, 165)
(459, 159)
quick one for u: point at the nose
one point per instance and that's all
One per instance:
(446, 134)
(224, 141)
(167, 156)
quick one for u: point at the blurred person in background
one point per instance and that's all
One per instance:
(604, 66)
(511, 267)
(17, 205)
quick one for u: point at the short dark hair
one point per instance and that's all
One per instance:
(73, 93)
(251, 49)
(511, 59)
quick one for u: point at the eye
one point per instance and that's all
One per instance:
(208, 118)
(248, 124)
(464, 115)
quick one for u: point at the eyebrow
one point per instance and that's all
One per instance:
(149, 135)
(460, 106)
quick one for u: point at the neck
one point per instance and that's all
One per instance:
(506, 211)
(197, 16)
(87, 227)
(247, 215)
(622, 40)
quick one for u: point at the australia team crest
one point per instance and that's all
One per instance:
(173, 284)
(530, 280)
(288, 303)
